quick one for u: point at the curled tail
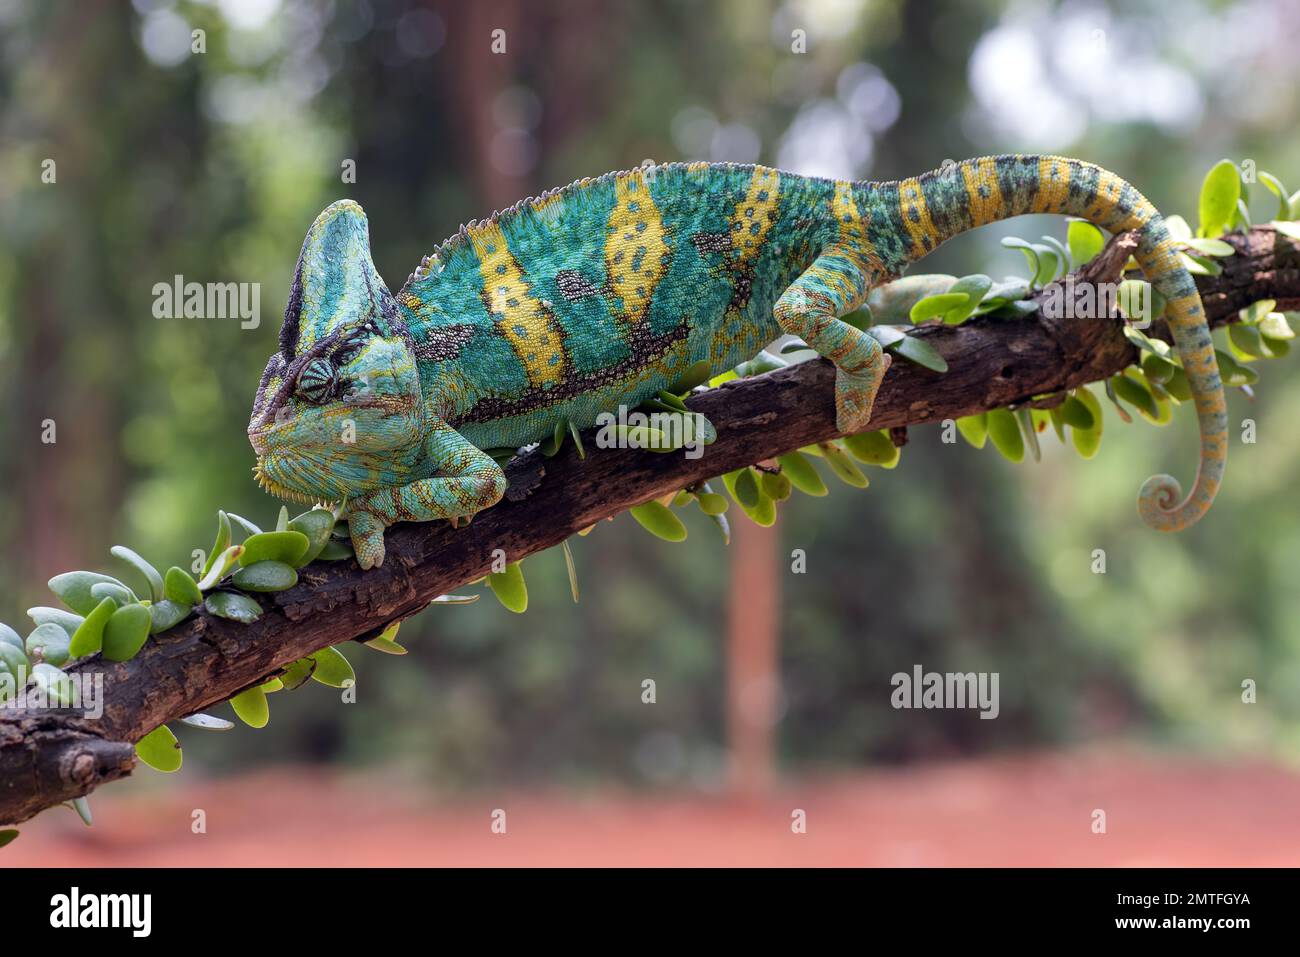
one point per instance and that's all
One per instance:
(961, 196)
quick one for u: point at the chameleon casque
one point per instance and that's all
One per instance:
(605, 291)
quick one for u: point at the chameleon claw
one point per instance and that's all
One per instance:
(367, 539)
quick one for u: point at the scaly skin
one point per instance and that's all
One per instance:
(604, 292)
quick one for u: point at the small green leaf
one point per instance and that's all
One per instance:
(249, 528)
(743, 486)
(1246, 340)
(385, 640)
(921, 352)
(220, 545)
(874, 448)
(218, 568)
(711, 503)
(974, 429)
(126, 632)
(1274, 186)
(82, 806)
(892, 303)
(73, 589)
(1219, 194)
(265, 576)
(510, 589)
(571, 568)
(1085, 241)
(232, 605)
(1135, 392)
(10, 637)
(695, 376)
(1029, 432)
(297, 673)
(1076, 414)
(287, 547)
(316, 525)
(845, 469)
(160, 750)
(1258, 310)
(48, 643)
(251, 707)
(89, 636)
(802, 474)
(333, 669)
(1211, 247)
(66, 620)
(8, 835)
(335, 550)
(207, 722)
(180, 587)
(932, 306)
(167, 614)
(1088, 441)
(150, 574)
(1275, 326)
(577, 439)
(1004, 431)
(659, 520)
(102, 590)
(775, 486)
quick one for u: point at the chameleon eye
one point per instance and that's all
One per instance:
(316, 381)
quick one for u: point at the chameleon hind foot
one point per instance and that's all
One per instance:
(855, 395)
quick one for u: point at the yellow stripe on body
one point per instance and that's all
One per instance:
(983, 193)
(635, 251)
(755, 214)
(1053, 191)
(916, 217)
(525, 321)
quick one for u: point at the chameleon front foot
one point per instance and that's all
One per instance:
(367, 538)
(855, 395)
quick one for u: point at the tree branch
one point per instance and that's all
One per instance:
(47, 757)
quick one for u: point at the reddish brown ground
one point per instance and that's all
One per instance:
(1033, 811)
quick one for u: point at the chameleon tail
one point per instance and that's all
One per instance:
(961, 196)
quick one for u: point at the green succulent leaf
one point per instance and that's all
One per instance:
(102, 590)
(333, 669)
(180, 587)
(921, 352)
(265, 576)
(1220, 191)
(892, 303)
(89, 636)
(207, 722)
(803, 475)
(316, 525)
(1004, 431)
(743, 486)
(220, 545)
(873, 448)
(10, 637)
(1076, 413)
(167, 614)
(160, 750)
(48, 643)
(66, 620)
(218, 568)
(150, 574)
(297, 673)
(74, 589)
(335, 549)
(845, 469)
(510, 589)
(659, 520)
(286, 546)
(250, 528)
(125, 632)
(974, 429)
(82, 806)
(8, 835)
(386, 640)
(1085, 241)
(233, 606)
(251, 707)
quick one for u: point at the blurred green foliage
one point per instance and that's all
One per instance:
(212, 165)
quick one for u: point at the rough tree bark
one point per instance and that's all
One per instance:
(47, 757)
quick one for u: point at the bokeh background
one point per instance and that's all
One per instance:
(1120, 691)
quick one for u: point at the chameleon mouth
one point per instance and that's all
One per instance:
(279, 489)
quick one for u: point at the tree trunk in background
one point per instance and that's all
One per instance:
(753, 678)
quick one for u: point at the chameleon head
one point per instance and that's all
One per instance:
(339, 408)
